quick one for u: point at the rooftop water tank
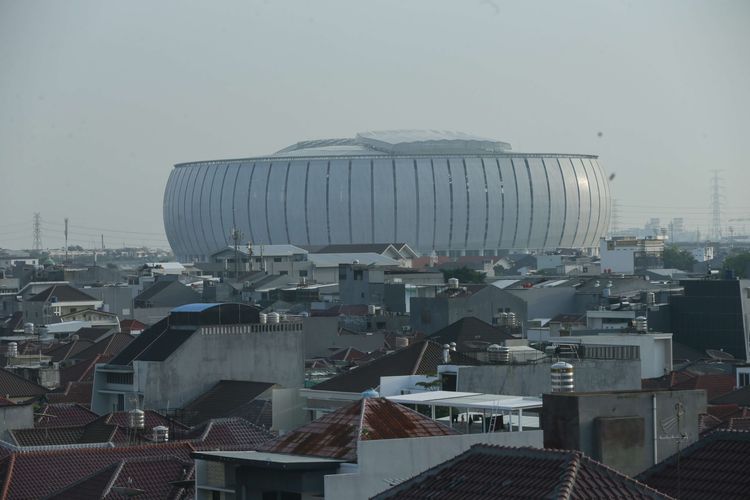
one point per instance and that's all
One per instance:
(273, 318)
(452, 283)
(562, 377)
(160, 434)
(12, 349)
(136, 419)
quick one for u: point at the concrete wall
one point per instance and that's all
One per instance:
(655, 349)
(20, 416)
(534, 379)
(322, 334)
(387, 462)
(117, 299)
(205, 358)
(617, 428)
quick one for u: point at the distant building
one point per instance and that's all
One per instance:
(629, 255)
(49, 305)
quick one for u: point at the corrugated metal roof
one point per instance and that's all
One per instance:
(336, 435)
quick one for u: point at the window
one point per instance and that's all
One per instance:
(358, 274)
(120, 378)
(744, 379)
(277, 259)
(303, 273)
(283, 273)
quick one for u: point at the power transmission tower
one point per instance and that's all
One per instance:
(716, 201)
(37, 232)
(66, 240)
(236, 235)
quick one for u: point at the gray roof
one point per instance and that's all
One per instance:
(396, 142)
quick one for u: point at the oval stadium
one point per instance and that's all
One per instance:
(447, 192)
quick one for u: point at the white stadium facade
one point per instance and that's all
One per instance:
(446, 192)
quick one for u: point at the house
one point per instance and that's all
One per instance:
(501, 472)
(396, 251)
(15, 416)
(629, 431)
(165, 292)
(172, 362)
(313, 450)
(231, 398)
(17, 389)
(470, 334)
(489, 302)
(629, 255)
(716, 466)
(356, 451)
(712, 314)
(49, 305)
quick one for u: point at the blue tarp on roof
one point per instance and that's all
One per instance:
(193, 308)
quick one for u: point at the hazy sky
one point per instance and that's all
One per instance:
(99, 99)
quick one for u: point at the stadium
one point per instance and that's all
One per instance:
(447, 192)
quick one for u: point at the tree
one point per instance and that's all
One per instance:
(675, 258)
(464, 275)
(739, 263)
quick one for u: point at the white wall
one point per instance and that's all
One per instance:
(619, 260)
(387, 462)
(655, 349)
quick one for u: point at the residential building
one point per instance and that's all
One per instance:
(629, 255)
(353, 452)
(503, 472)
(715, 466)
(713, 314)
(58, 300)
(197, 345)
(627, 430)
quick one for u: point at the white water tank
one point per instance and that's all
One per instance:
(263, 318)
(498, 354)
(641, 324)
(399, 342)
(12, 349)
(562, 377)
(136, 419)
(273, 318)
(452, 283)
(28, 328)
(160, 434)
(371, 309)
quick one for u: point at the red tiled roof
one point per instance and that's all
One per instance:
(82, 371)
(485, 472)
(227, 398)
(715, 384)
(419, 358)
(231, 434)
(64, 415)
(75, 392)
(336, 434)
(38, 474)
(347, 354)
(716, 466)
(15, 386)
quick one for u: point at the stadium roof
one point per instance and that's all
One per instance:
(395, 142)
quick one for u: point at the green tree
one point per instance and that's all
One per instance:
(675, 258)
(464, 275)
(739, 263)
